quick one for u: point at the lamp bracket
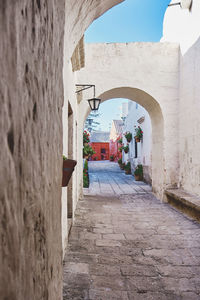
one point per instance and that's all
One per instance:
(85, 87)
(172, 4)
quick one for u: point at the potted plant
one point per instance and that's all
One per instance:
(127, 168)
(138, 134)
(119, 161)
(112, 157)
(122, 166)
(120, 149)
(138, 173)
(68, 168)
(119, 141)
(126, 148)
(128, 136)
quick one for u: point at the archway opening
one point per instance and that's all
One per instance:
(157, 122)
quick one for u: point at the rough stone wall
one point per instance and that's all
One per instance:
(31, 96)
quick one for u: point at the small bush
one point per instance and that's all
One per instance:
(119, 161)
(139, 171)
(85, 175)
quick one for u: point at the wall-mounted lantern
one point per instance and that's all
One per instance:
(93, 102)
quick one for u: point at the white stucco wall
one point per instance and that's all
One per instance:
(149, 74)
(183, 26)
(135, 112)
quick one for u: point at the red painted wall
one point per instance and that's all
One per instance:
(98, 148)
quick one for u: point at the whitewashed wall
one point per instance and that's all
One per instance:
(183, 26)
(149, 74)
(135, 112)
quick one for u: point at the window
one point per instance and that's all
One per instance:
(103, 150)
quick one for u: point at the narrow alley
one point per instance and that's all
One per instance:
(126, 244)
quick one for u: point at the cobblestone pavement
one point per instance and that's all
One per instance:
(131, 247)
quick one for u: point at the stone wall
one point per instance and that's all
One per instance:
(31, 96)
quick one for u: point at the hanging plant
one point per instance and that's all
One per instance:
(126, 148)
(128, 136)
(120, 149)
(119, 141)
(138, 134)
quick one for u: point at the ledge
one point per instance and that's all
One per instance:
(184, 201)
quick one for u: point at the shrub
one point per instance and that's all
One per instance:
(88, 151)
(139, 171)
(112, 157)
(86, 138)
(85, 175)
(119, 161)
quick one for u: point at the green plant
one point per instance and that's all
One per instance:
(112, 157)
(119, 161)
(128, 136)
(85, 175)
(127, 168)
(64, 157)
(86, 138)
(122, 166)
(88, 151)
(126, 148)
(138, 132)
(139, 171)
(120, 149)
(119, 141)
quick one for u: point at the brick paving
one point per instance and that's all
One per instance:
(129, 245)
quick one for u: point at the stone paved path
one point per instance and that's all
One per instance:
(130, 246)
(107, 178)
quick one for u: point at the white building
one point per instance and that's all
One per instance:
(139, 152)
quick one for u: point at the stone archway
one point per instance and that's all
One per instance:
(156, 115)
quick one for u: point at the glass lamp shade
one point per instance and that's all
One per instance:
(94, 103)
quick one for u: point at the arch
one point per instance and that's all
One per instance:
(157, 121)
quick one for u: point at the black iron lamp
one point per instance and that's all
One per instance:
(93, 102)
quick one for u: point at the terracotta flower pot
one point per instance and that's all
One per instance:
(128, 172)
(68, 168)
(137, 177)
(137, 139)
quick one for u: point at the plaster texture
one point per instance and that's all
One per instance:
(149, 74)
(182, 26)
(31, 132)
(35, 37)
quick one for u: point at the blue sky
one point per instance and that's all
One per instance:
(130, 21)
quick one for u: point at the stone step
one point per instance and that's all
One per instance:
(184, 201)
